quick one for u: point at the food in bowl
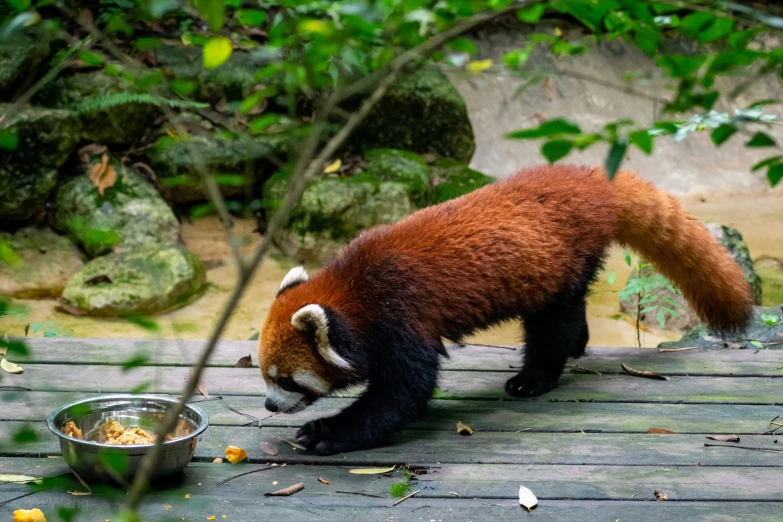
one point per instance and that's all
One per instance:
(112, 432)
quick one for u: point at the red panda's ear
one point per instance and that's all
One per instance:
(312, 318)
(294, 277)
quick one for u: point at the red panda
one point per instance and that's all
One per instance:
(525, 247)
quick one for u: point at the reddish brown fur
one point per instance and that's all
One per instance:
(511, 246)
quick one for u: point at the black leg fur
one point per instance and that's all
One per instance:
(401, 382)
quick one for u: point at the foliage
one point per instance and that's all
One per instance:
(123, 98)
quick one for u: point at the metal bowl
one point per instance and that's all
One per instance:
(95, 460)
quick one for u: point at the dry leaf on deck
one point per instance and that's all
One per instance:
(463, 429)
(371, 471)
(724, 438)
(269, 448)
(201, 388)
(217, 460)
(527, 499)
(642, 373)
(84, 484)
(333, 166)
(323, 480)
(244, 362)
(290, 490)
(235, 454)
(103, 175)
(661, 431)
(18, 479)
(93, 149)
(661, 496)
(10, 367)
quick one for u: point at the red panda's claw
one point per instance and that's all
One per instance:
(528, 384)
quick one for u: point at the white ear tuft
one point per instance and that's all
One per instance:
(294, 276)
(313, 318)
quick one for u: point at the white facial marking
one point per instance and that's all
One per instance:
(272, 371)
(295, 275)
(311, 382)
(314, 316)
(286, 401)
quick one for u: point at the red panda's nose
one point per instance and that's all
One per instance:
(270, 405)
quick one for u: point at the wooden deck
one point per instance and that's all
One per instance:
(583, 449)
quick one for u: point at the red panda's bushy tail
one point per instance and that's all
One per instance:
(655, 225)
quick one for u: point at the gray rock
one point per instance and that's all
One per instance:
(452, 179)
(24, 57)
(423, 113)
(121, 122)
(765, 331)
(47, 261)
(770, 270)
(129, 214)
(28, 174)
(148, 280)
(737, 248)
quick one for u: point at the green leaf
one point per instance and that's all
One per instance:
(741, 39)
(648, 40)
(141, 388)
(643, 140)
(183, 87)
(680, 66)
(144, 322)
(9, 139)
(114, 460)
(92, 58)
(531, 14)
(138, 359)
(202, 210)
(147, 43)
(25, 435)
(661, 318)
(628, 259)
(251, 17)
(13, 347)
(264, 122)
(20, 5)
(760, 139)
(718, 29)
(774, 160)
(518, 58)
(611, 277)
(770, 319)
(696, 22)
(462, 45)
(216, 51)
(9, 256)
(556, 149)
(234, 180)
(775, 174)
(615, 158)
(213, 12)
(722, 133)
(546, 129)
(757, 344)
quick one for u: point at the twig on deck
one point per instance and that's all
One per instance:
(773, 450)
(3, 503)
(359, 493)
(580, 369)
(662, 350)
(406, 497)
(643, 373)
(229, 479)
(246, 415)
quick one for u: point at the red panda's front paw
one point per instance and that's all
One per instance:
(529, 384)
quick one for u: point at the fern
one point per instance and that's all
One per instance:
(123, 98)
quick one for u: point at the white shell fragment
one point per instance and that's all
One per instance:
(527, 499)
(10, 367)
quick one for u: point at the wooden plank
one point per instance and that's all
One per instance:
(428, 447)
(480, 415)
(452, 384)
(605, 360)
(498, 482)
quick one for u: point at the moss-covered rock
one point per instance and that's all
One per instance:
(732, 240)
(119, 123)
(333, 210)
(148, 280)
(452, 179)
(770, 270)
(765, 331)
(47, 261)
(233, 158)
(423, 113)
(401, 166)
(24, 57)
(129, 214)
(46, 137)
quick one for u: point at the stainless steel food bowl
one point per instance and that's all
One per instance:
(92, 459)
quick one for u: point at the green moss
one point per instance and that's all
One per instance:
(400, 489)
(455, 179)
(770, 270)
(400, 166)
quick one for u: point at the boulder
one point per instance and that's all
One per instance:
(765, 331)
(452, 179)
(176, 164)
(103, 103)
(24, 56)
(333, 210)
(129, 214)
(732, 240)
(770, 270)
(47, 261)
(423, 113)
(401, 166)
(148, 280)
(28, 174)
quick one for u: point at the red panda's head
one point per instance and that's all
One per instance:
(298, 350)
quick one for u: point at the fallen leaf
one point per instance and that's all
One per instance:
(187, 495)
(70, 310)
(323, 480)
(244, 362)
(166, 507)
(642, 373)
(93, 149)
(285, 492)
(661, 431)
(213, 517)
(18, 479)
(527, 499)
(333, 166)
(269, 448)
(547, 89)
(661, 496)
(103, 175)
(217, 460)
(463, 429)
(294, 445)
(664, 350)
(84, 485)
(724, 438)
(235, 454)
(201, 387)
(10, 367)
(478, 66)
(371, 471)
